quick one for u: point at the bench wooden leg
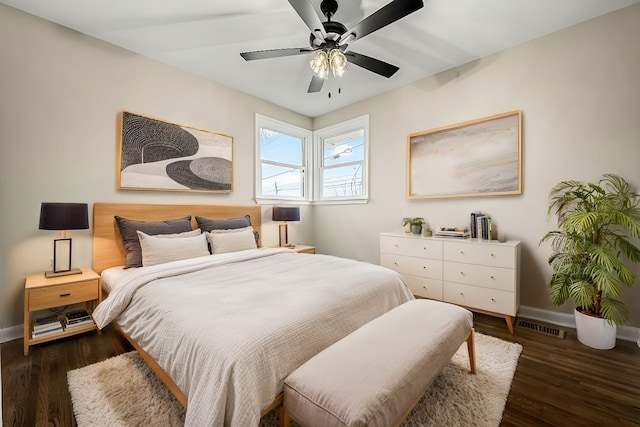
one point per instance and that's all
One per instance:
(471, 348)
(283, 417)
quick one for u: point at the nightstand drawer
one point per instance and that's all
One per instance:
(55, 296)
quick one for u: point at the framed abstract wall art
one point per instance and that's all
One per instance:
(480, 157)
(157, 155)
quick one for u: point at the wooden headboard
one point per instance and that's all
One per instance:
(107, 243)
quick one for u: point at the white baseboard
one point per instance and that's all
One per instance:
(11, 333)
(627, 333)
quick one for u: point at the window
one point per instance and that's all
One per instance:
(330, 167)
(342, 166)
(282, 162)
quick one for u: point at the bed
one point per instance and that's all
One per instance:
(223, 331)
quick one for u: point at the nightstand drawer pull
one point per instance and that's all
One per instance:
(65, 295)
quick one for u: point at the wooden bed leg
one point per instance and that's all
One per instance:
(471, 348)
(509, 321)
(283, 417)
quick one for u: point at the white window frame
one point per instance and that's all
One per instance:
(306, 136)
(312, 146)
(337, 130)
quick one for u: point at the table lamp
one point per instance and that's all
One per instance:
(63, 216)
(285, 214)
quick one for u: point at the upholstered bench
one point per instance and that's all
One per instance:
(377, 374)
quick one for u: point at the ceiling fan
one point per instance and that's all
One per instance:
(330, 39)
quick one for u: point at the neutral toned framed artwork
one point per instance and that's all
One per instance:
(155, 154)
(480, 157)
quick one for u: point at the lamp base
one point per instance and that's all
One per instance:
(48, 274)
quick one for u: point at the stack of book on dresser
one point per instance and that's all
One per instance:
(455, 233)
(77, 319)
(46, 326)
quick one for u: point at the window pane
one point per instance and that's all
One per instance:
(343, 149)
(281, 181)
(342, 181)
(279, 147)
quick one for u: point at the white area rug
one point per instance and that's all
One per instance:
(123, 391)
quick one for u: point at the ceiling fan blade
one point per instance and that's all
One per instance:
(308, 14)
(375, 65)
(275, 53)
(316, 84)
(384, 16)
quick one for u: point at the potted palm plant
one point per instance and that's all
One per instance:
(592, 253)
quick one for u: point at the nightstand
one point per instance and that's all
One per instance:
(304, 249)
(41, 293)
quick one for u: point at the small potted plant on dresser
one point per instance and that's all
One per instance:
(415, 224)
(592, 253)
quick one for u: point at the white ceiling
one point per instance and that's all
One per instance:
(206, 38)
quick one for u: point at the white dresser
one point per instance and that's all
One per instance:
(481, 275)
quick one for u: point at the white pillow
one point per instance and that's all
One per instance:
(237, 239)
(162, 248)
(191, 233)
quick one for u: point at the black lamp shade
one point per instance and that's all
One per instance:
(286, 214)
(64, 216)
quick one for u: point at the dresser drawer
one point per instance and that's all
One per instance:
(424, 286)
(481, 298)
(480, 275)
(482, 254)
(411, 246)
(422, 267)
(55, 296)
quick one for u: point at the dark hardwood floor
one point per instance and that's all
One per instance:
(558, 382)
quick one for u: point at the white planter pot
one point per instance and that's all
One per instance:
(595, 332)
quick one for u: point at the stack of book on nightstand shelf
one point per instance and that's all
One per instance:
(46, 326)
(77, 319)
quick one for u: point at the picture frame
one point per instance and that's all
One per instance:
(481, 157)
(155, 154)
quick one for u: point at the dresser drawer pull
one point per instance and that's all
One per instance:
(462, 273)
(65, 295)
(461, 293)
(462, 252)
(397, 246)
(492, 277)
(492, 255)
(493, 299)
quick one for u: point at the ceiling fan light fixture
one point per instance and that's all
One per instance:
(337, 62)
(320, 64)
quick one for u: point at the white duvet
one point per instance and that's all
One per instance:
(230, 328)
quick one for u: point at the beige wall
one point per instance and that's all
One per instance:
(579, 91)
(61, 92)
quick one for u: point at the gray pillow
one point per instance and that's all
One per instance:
(128, 231)
(207, 224)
